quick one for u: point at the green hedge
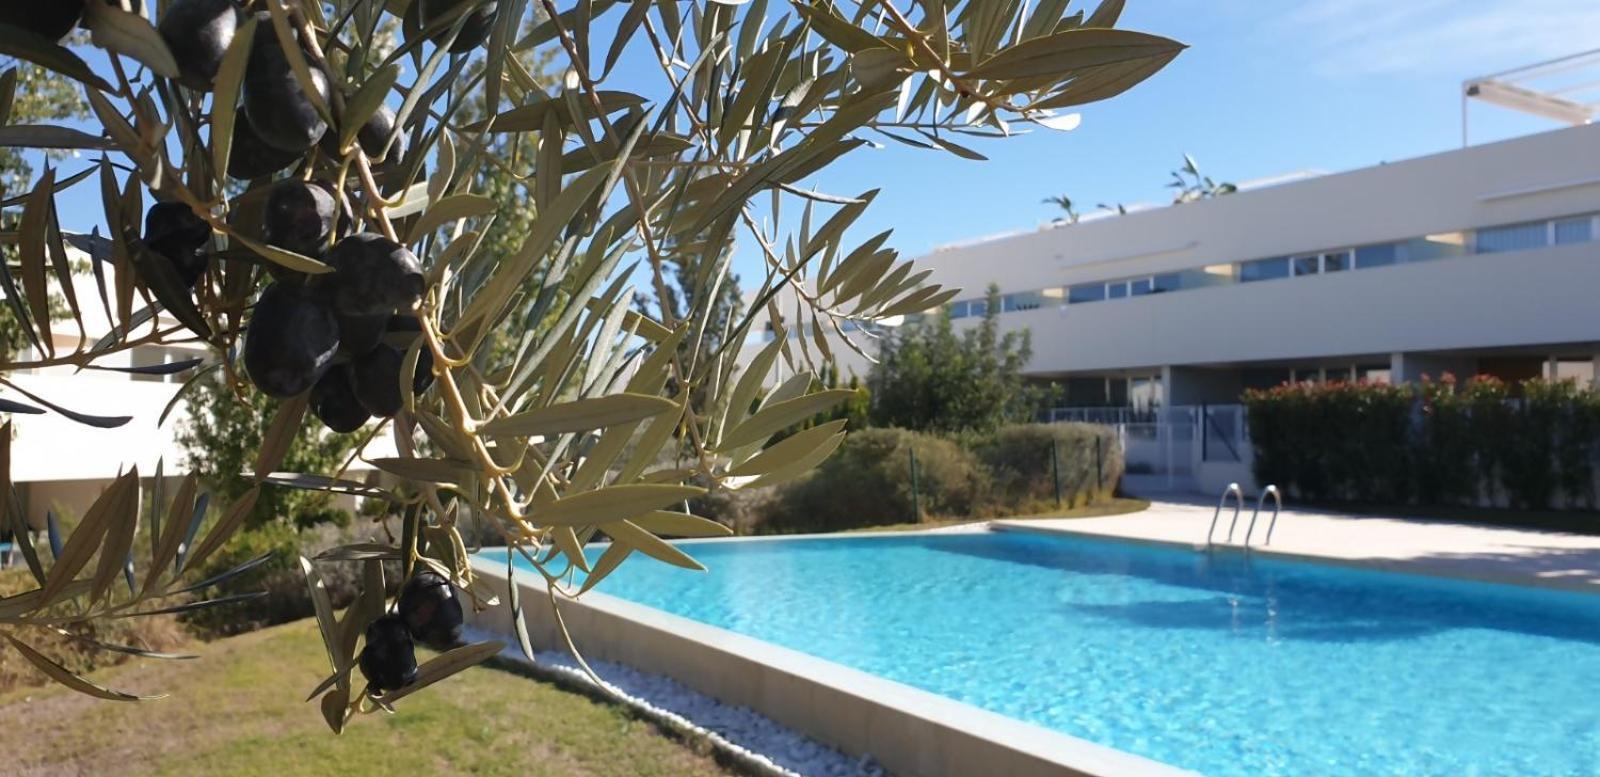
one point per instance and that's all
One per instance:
(1482, 442)
(868, 481)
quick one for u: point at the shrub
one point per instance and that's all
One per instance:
(1532, 445)
(287, 596)
(160, 633)
(867, 482)
(1022, 475)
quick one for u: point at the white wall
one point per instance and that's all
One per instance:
(1454, 190)
(1535, 297)
(1487, 300)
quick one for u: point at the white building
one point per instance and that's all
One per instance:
(1480, 260)
(60, 464)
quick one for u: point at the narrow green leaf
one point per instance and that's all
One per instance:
(1073, 49)
(788, 450)
(47, 136)
(65, 677)
(449, 209)
(35, 48)
(630, 534)
(120, 32)
(366, 102)
(674, 524)
(772, 418)
(225, 96)
(431, 470)
(612, 503)
(581, 415)
(446, 664)
(85, 540)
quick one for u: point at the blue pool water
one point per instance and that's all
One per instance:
(1218, 664)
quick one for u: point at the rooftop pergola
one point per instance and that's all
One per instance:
(1566, 89)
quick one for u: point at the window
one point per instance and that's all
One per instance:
(1117, 290)
(1264, 269)
(1027, 300)
(1376, 373)
(1513, 237)
(958, 309)
(1338, 261)
(1142, 287)
(1167, 282)
(1377, 256)
(1439, 246)
(978, 307)
(1580, 371)
(1578, 230)
(1089, 292)
(1304, 265)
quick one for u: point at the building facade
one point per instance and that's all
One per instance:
(58, 464)
(1478, 260)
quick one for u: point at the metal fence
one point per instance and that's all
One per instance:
(1163, 440)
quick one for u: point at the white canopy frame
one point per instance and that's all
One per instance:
(1565, 89)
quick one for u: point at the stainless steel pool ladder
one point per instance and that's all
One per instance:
(1277, 507)
(1237, 493)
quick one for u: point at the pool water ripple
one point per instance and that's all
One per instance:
(1214, 663)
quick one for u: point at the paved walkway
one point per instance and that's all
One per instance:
(1450, 549)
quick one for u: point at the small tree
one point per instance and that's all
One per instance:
(1062, 201)
(1191, 184)
(283, 188)
(220, 439)
(929, 378)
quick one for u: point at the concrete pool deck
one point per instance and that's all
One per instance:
(1461, 550)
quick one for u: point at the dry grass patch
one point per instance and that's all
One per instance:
(240, 711)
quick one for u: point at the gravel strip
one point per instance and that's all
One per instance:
(745, 739)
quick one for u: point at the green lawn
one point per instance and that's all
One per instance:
(240, 711)
(1116, 506)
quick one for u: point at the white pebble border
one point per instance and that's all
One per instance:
(746, 735)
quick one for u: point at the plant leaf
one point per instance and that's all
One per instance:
(1071, 50)
(444, 665)
(612, 503)
(61, 675)
(35, 48)
(225, 95)
(772, 418)
(581, 415)
(47, 136)
(649, 544)
(121, 32)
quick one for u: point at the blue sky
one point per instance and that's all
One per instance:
(1267, 87)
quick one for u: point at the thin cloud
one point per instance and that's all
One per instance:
(1454, 37)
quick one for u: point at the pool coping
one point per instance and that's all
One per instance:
(907, 730)
(1419, 567)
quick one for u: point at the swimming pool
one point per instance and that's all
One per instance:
(1213, 663)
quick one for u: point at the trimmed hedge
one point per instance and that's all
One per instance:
(1478, 443)
(868, 481)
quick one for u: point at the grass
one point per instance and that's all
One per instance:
(1115, 506)
(240, 710)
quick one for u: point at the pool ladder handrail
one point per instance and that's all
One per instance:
(1237, 493)
(1277, 507)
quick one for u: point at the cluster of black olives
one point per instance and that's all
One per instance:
(333, 335)
(428, 612)
(339, 336)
